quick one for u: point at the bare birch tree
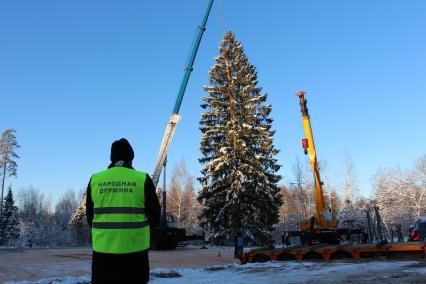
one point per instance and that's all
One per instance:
(348, 187)
(176, 195)
(192, 207)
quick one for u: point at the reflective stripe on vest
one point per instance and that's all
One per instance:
(119, 223)
(116, 210)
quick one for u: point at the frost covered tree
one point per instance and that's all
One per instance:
(80, 212)
(419, 185)
(299, 196)
(351, 215)
(348, 187)
(302, 188)
(176, 195)
(8, 156)
(239, 175)
(40, 226)
(31, 204)
(401, 194)
(63, 212)
(292, 211)
(351, 212)
(181, 199)
(9, 222)
(192, 209)
(38, 223)
(81, 228)
(65, 208)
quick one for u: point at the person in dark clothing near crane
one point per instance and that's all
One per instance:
(238, 244)
(121, 207)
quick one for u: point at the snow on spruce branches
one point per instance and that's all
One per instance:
(239, 180)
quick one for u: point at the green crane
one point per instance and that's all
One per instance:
(167, 235)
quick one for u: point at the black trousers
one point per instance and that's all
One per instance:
(120, 268)
(238, 251)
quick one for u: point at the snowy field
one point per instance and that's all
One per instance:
(283, 272)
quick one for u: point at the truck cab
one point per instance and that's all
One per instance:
(167, 235)
(420, 228)
(171, 220)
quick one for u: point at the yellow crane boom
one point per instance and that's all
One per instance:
(309, 147)
(322, 227)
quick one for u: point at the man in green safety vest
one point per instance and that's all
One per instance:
(121, 206)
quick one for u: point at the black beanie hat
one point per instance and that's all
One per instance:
(121, 150)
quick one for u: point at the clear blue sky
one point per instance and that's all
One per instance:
(77, 75)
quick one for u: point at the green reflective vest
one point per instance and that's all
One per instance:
(119, 222)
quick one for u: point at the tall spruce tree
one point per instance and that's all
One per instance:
(9, 222)
(239, 178)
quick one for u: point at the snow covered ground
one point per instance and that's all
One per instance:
(301, 272)
(188, 265)
(283, 272)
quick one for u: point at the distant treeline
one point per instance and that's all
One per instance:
(31, 220)
(35, 222)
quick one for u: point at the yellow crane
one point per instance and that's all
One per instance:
(321, 228)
